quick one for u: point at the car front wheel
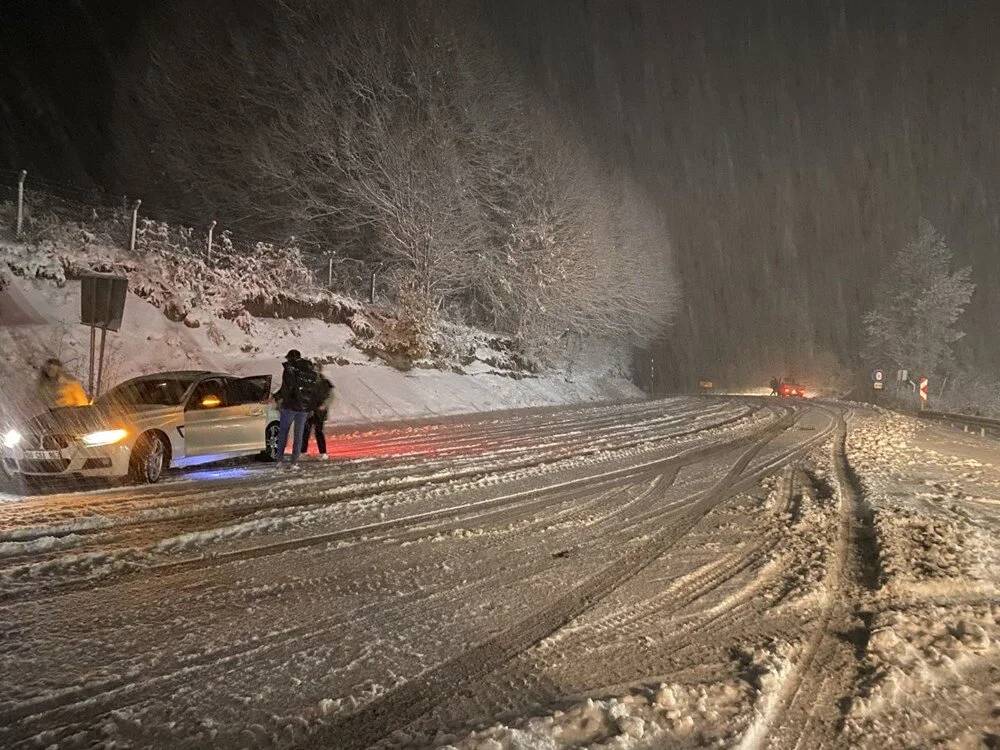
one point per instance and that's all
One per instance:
(149, 458)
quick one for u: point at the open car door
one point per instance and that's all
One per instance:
(248, 397)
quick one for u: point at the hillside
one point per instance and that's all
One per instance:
(244, 310)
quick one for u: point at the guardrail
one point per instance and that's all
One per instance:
(969, 423)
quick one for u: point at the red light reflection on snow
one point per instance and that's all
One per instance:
(430, 440)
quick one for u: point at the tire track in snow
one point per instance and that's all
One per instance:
(588, 637)
(524, 438)
(137, 566)
(453, 678)
(119, 534)
(807, 710)
(128, 695)
(79, 707)
(420, 695)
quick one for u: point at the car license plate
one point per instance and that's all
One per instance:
(42, 455)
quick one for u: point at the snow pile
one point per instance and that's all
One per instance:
(712, 714)
(768, 669)
(730, 712)
(933, 652)
(918, 660)
(925, 539)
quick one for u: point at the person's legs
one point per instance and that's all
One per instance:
(305, 435)
(300, 418)
(284, 423)
(318, 421)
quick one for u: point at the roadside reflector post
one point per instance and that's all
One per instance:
(20, 202)
(211, 228)
(135, 222)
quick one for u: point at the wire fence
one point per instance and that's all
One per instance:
(36, 209)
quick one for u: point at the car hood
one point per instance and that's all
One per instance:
(77, 420)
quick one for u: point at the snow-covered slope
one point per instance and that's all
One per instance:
(367, 389)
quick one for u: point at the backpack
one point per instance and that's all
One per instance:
(304, 386)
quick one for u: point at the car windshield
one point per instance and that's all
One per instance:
(167, 391)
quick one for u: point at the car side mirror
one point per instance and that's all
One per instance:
(210, 402)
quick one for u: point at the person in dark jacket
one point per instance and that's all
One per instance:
(324, 398)
(296, 399)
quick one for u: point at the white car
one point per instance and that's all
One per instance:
(143, 426)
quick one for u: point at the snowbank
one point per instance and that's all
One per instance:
(935, 636)
(367, 389)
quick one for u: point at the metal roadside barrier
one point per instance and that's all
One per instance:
(969, 423)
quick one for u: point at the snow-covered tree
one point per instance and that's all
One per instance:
(919, 302)
(396, 134)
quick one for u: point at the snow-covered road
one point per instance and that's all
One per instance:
(676, 573)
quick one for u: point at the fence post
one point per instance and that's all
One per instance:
(211, 228)
(20, 202)
(135, 221)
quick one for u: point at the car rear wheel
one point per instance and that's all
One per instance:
(149, 459)
(270, 452)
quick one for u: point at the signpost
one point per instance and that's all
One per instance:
(102, 305)
(878, 380)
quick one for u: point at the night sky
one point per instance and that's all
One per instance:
(60, 60)
(792, 146)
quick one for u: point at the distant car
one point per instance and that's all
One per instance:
(143, 426)
(789, 390)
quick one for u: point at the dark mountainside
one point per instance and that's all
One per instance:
(789, 178)
(59, 61)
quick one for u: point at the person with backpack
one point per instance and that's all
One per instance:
(296, 399)
(323, 401)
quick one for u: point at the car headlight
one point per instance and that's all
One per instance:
(11, 438)
(104, 437)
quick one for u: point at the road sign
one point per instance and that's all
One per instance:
(102, 300)
(902, 376)
(102, 305)
(923, 389)
(878, 376)
(878, 385)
